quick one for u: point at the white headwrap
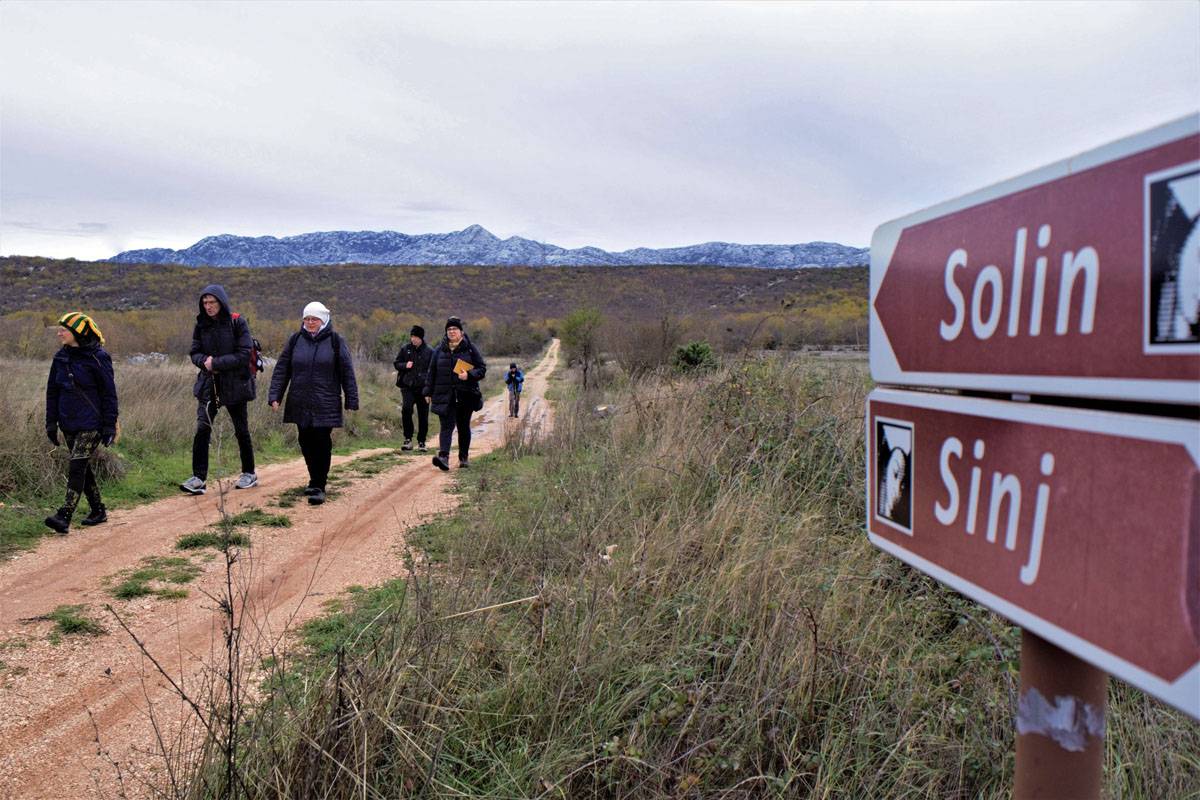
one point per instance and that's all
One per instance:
(318, 310)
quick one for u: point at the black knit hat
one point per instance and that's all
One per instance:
(417, 331)
(512, 365)
(454, 322)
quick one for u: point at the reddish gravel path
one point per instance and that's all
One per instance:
(75, 715)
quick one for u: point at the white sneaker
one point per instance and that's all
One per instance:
(193, 485)
(247, 480)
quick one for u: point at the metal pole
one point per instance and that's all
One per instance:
(1060, 724)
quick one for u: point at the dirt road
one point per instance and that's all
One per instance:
(78, 719)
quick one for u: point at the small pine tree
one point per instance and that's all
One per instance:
(694, 357)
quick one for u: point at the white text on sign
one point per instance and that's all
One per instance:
(986, 318)
(1004, 487)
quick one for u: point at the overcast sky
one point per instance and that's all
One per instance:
(128, 125)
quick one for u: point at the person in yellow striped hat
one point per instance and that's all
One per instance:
(81, 401)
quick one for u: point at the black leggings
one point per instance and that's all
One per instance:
(81, 480)
(206, 415)
(317, 446)
(457, 416)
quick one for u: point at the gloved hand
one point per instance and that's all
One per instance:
(52, 434)
(107, 436)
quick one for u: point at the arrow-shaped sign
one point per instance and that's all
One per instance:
(1079, 279)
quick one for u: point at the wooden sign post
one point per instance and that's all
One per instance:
(1073, 286)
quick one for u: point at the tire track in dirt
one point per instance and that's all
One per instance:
(69, 713)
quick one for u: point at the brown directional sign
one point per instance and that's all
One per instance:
(1079, 279)
(1080, 526)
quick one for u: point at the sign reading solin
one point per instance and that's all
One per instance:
(1079, 279)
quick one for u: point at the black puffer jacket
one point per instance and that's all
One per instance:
(412, 378)
(227, 340)
(441, 384)
(318, 379)
(81, 394)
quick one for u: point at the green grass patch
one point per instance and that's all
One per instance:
(70, 620)
(257, 518)
(213, 539)
(158, 575)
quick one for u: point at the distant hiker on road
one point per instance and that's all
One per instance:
(412, 365)
(452, 390)
(316, 364)
(81, 400)
(221, 349)
(515, 379)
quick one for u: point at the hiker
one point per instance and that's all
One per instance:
(81, 400)
(221, 349)
(316, 364)
(515, 379)
(412, 363)
(452, 390)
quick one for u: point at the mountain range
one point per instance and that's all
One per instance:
(475, 245)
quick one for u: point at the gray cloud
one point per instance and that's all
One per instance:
(617, 125)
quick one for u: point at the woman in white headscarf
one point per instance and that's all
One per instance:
(316, 364)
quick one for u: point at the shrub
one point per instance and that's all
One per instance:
(694, 357)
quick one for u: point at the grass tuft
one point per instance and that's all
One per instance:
(70, 620)
(213, 539)
(150, 577)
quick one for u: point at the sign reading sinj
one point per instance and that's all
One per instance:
(1080, 526)
(1079, 279)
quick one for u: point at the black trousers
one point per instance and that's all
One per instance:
(81, 480)
(317, 446)
(413, 399)
(458, 416)
(514, 403)
(206, 415)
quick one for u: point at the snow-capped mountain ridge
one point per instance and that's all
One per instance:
(475, 245)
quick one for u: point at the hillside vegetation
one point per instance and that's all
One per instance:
(672, 598)
(513, 309)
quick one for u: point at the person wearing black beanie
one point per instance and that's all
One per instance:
(411, 363)
(452, 389)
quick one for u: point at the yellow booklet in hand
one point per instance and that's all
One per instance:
(461, 367)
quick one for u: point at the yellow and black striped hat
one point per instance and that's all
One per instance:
(83, 326)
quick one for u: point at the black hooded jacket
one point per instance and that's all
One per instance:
(227, 339)
(441, 384)
(81, 394)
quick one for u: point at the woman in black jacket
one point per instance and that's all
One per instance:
(221, 345)
(316, 364)
(81, 399)
(452, 390)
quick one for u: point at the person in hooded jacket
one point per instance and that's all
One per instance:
(316, 365)
(515, 380)
(412, 364)
(81, 400)
(221, 345)
(454, 394)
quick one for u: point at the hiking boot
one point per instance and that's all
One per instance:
(95, 517)
(463, 464)
(317, 497)
(247, 480)
(442, 462)
(59, 522)
(421, 446)
(193, 485)
(309, 491)
(407, 445)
